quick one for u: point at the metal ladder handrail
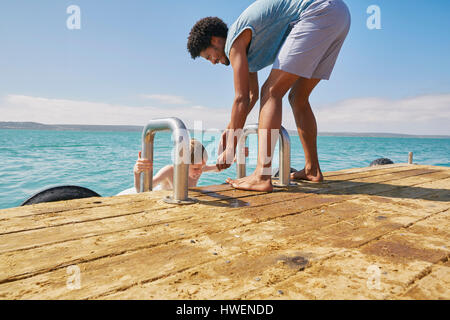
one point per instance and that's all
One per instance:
(284, 154)
(181, 162)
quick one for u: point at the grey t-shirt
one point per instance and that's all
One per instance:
(269, 21)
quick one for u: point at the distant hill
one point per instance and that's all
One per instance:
(73, 127)
(65, 127)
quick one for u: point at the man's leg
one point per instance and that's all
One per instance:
(272, 92)
(307, 128)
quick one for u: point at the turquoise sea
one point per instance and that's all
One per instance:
(33, 160)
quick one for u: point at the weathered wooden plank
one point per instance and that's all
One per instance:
(353, 180)
(423, 240)
(57, 207)
(245, 272)
(433, 286)
(369, 169)
(434, 190)
(391, 188)
(367, 172)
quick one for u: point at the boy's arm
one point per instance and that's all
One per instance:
(163, 174)
(212, 168)
(137, 182)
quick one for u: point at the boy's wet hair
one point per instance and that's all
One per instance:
(201, 33)
(198, 152)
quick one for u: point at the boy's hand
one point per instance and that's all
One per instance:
(142, 165)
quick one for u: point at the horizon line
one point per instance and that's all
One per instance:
(73, 127)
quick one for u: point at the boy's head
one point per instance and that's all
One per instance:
(199, 157)
(207, 39)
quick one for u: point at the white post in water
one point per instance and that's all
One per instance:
(410, 158)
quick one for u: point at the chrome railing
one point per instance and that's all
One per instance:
(284, 154)
(181, 160)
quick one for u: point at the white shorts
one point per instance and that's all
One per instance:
(314, 43)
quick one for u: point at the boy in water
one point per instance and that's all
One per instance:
(163, 180)
(164, 177)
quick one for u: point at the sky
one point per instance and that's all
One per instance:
(128, 63)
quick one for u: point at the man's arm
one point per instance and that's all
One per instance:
(239, 62)
(214, 168)
(241, 104)
(253, 98)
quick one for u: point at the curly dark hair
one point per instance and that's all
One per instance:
(200, 36)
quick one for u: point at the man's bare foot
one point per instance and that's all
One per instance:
(252, 183)
(309, 176)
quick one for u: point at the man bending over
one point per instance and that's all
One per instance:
(302, 39)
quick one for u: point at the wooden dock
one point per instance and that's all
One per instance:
(369, 233)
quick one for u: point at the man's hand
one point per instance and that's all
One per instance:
(223, 160)
(222, 142)
(226, 150)
(226, 159)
